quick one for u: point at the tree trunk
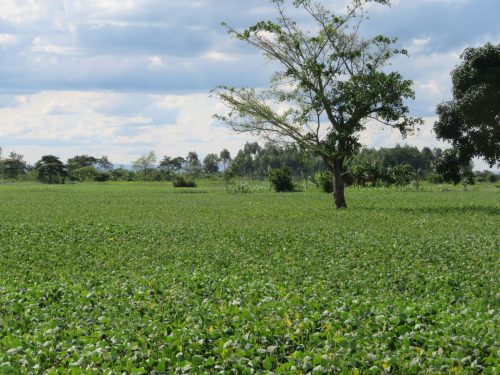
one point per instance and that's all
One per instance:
(338, 185)
(335, 166)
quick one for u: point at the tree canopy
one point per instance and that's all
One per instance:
(145, 163)
(471, 120)
(51, 169)
(331, 83)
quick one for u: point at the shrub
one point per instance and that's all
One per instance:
(102, 176)
(281, 179)
(401, 174)
(326, 182)
(493, 178)
(435, 178)
(182, 181)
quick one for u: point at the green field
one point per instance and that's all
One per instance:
(142, 278)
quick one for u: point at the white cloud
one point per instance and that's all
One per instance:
(155, 62)
(43, 46)
(431, 87)
(70, 123)
(7, 39)
(219, 56)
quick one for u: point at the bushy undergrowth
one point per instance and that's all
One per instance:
(281, 179)
(183, 181)
(131, 278)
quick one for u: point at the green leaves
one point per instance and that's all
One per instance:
(134, 278)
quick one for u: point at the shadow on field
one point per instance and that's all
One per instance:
(485, 210)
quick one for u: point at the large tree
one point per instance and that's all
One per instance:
(51, 169)
(471, 120)
(331, 83)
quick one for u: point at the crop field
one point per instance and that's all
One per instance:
(142, 278)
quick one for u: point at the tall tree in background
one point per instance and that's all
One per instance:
(193, 164)
(225, 157)
(471, 120)
(330, 84)
(145, 163)
(211, 163)
(50, 169)
(172, 165)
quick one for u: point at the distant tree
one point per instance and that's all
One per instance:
(145, 164)
(331, 83)
(252, 148)
(172, 165)
(50, 169)
(13, 166)
(471, 120)
(225, 157)
(84, 173)
(193, 164)
(122, 174)
(104, 163)
(80, 161)
(87, 166)
(211, 163)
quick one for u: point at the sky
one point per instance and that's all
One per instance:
(124, 77)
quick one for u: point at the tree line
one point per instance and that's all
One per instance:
(398, 165)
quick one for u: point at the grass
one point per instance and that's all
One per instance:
(141, 278)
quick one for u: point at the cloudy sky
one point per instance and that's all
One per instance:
(123, 77)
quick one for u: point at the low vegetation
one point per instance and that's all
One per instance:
(134, 278)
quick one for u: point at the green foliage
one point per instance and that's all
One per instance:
(88, 168)
(326, 182)
(471, 121)
(435, 178)
(486, 176)
(13, 166)
(451, 167)
(332, 72)
(140, 279)
(401, 174)
(51, 170)
(211, 163)
(122, 174)
(171, 165)
(281, 179)
(145, 165)
(183, 181)
(84, 174)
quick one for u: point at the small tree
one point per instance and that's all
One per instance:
(13, 166)
(145, 164)
(331, 83)
(50, 169)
